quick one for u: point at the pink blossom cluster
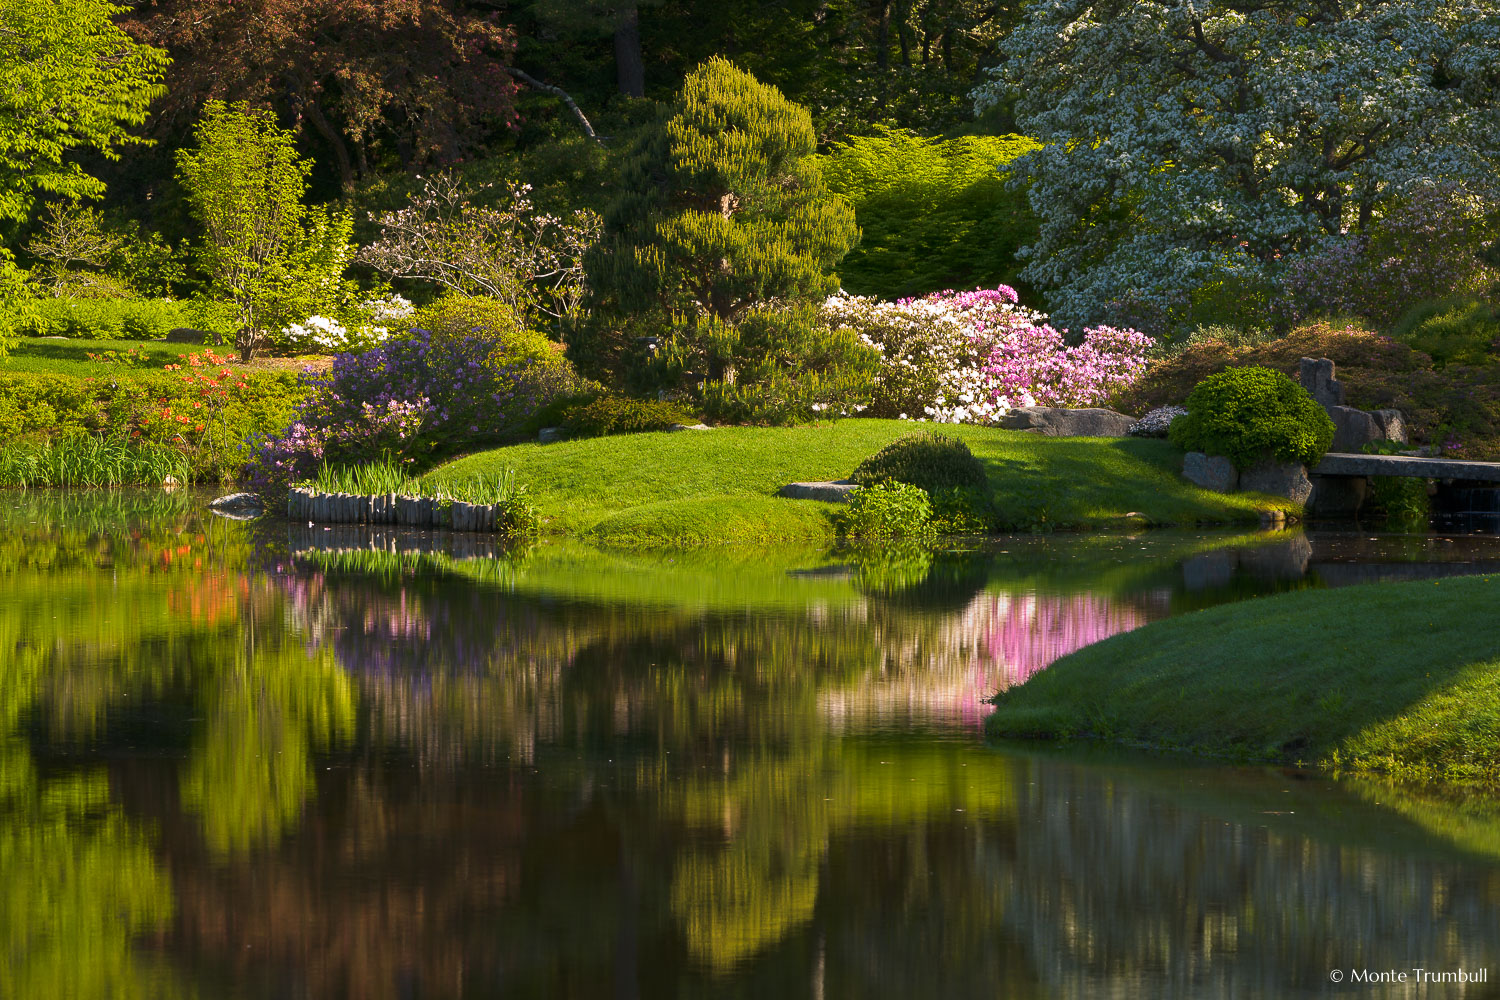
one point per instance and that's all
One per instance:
(969, 357)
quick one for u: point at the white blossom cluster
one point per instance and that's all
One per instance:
(1189, 145)
(325, 335)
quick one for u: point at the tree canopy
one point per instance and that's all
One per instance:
(72, 80)
(1190, 144)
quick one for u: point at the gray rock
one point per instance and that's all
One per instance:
(1056, 421)
(834, 492)
(239, 506)
(547, 435)
(1212, 472)
(1316, 376)
(690, 427)
(1337, 496)
(1280, 479)
(1156, 422)
(187, 335)
(1392, 424)
(1353, 429)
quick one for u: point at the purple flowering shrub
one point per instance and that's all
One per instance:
(411, 399)
(969, 357)
(1426, 247)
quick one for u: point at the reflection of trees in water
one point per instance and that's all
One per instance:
(1122, 892)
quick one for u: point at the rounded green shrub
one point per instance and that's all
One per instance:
(935, 462)
(1460, 329)
(612, 414)
(1248, 414)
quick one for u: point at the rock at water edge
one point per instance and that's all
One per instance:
(1212, 472)
(1281, 479)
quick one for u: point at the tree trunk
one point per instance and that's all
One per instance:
(630, 69)
(883, 35)
(307, 103)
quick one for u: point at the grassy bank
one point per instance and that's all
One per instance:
(1400, 678)
(720, 485)
(70, 356)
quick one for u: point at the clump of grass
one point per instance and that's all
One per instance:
(91, 461)
(498, 488)
(385, 475)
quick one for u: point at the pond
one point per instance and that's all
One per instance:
(258, 760)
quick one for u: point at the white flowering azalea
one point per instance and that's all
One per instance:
(324, 335)
(1190, 145)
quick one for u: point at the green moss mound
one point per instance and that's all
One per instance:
(1246, 414)
(1399, 678)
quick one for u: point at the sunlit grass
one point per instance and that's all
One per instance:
(1397, 678)
(700, 485)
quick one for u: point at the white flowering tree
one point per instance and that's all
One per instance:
(1191, 144)
(528, 259)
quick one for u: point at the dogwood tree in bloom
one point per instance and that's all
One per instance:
(969, 357)
(1188, 143)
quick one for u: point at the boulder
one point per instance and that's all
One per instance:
(1212, 472)
(829, 492)
(1155, 422)
(1316, 376)
(1056, 421)
(187, 335)
(547, 435)
(1353, 429)
(1280, 479)
(239, 506)
(1392, 424)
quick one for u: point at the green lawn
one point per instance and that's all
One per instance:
(1399, 678)
(719, 485)
(57, 356)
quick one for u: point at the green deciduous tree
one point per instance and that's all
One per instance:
(273, 256)
(71, 80)
(724, 210)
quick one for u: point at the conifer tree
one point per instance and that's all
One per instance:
(725, 211)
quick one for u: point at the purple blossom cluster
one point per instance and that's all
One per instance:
(1425, 247)
(409, 398)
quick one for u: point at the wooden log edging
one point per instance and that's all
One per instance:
(306, 504)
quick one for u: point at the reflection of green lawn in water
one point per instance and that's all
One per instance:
(1399, 678)
(712, 487)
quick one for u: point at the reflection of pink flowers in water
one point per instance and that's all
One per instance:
(998, 641)
(1033, 630)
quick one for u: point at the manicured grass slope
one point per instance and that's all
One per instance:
(1399, 678)
(720, 485)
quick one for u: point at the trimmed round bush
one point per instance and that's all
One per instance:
(1248, 414)
(935, 462)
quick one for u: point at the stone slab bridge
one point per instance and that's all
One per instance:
(1346, 465)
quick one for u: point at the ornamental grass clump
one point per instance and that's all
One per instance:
(1250, 414)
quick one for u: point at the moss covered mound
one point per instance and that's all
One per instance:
(1399, 678)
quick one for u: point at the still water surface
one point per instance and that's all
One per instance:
(239, 761)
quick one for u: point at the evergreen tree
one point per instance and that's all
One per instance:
(724, 210)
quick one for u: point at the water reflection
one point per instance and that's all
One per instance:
(234, 766)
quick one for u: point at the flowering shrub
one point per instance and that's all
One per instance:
(326, 335)
(1425, 247)
(968, 357)
(411, 401)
